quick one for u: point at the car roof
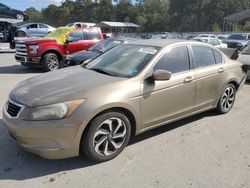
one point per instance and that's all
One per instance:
(90, 28)
(207, 38)
(158, 42)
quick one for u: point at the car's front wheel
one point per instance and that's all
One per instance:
(50, 62)
(106, 137)
(227, 99)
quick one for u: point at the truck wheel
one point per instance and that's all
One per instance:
(50, 62)
(21, 34)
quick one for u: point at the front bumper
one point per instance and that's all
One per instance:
(28, 60)
(54, 139)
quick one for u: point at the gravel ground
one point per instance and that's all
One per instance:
(207, 150)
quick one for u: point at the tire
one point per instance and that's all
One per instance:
(50, 62)
(20, 17)
(100, 142)
(21, 34)
(227, 99)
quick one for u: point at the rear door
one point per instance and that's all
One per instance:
(92, 36)
(43, 30)
(166, 100)
(210, 71)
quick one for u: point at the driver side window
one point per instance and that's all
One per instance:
(176, 60)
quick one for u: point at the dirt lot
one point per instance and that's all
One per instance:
(206, 150)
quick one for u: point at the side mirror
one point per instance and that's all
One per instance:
(161, 75)
(84, 63)
(69, 39)
(245, 68)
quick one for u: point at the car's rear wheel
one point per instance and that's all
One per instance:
(106, 137)
(227, 99)
(20, 17)
(21, 34)
(50, 62)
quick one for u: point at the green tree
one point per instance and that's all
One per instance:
(34, 15)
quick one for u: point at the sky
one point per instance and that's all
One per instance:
(38, 4)
(24, 4)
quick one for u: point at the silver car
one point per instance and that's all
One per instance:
(34, 30)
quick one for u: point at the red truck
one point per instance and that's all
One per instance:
(50, 51)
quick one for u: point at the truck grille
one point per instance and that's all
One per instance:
(21, 51)
(232, 45)
(13, 109)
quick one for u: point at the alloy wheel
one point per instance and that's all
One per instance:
(228, 98)
(20, 17)
(109, 136)
(53, 62)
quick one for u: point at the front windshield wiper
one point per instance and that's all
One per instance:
(100, 70)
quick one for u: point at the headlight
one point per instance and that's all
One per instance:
(54, 111)
(33, 49)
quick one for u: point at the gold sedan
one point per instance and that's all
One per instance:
(130, 89)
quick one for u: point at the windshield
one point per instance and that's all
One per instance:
(202, 40)
(105, 45)
(221, 37)
(237, 37)
(123, 60)
(246, 50)
(5, 6)
(70, 24)
(203, 35)
(60, 34)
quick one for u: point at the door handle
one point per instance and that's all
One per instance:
(188, 79)
(221, 70)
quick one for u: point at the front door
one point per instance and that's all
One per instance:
(32, 30)
(163, 101)
(76, 43)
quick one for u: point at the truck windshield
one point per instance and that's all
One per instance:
(123, 60)
(237, 37)
(60, 34)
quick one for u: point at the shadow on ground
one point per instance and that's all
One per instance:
(21, 165)
(19, 69)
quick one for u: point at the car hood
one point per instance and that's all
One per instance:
(38, 41)
(235, 41)
(80, 57)
(59, 86)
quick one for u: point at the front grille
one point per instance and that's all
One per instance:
(13, 109)
(21, 49)
(232, 45)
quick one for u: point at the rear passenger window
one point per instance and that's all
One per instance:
(176, 60)
(203, 56)
(218, 57)
(92, 34)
